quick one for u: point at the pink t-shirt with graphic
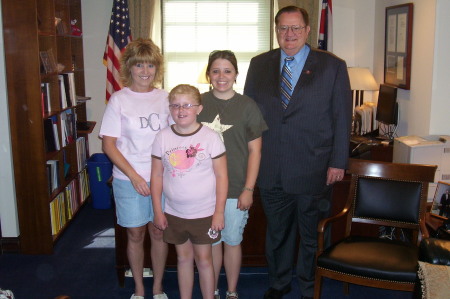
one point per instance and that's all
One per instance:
(189, 183)
(135, 118)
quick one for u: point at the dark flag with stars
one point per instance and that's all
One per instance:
(119, 36)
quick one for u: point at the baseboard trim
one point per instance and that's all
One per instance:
(10, 245)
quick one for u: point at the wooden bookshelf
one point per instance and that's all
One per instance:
(35, 31)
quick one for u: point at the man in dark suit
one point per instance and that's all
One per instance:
(305, 149)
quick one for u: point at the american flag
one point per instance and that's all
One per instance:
(119, 36)
(326, 26)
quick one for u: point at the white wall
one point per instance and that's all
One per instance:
(359, 26)
(96, 17)
(8, 207)
(415, 104)
(440, 105)
(355, 44)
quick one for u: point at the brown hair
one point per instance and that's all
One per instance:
(141, 51)
(291, 8)
(187, 90)
(223, 54)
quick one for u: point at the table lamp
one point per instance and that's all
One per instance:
(361, 79)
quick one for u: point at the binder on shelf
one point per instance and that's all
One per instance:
(45, 97)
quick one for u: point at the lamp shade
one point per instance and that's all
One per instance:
(361, 79)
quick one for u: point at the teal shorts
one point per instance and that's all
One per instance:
(235, 222)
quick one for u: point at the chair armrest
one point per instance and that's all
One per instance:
(424, 230)
(324, 223)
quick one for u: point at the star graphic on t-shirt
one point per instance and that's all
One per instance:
(217, 126)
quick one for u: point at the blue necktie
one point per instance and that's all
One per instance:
(286, 82)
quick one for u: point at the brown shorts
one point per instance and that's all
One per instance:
(179, 230)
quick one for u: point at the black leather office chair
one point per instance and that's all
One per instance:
(381, 194)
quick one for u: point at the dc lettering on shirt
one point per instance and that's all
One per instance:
(152, 122)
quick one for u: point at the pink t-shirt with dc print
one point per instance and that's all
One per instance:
(135, 118)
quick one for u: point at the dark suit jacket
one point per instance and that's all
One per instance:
(313, 133)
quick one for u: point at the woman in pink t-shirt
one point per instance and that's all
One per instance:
(133, 117)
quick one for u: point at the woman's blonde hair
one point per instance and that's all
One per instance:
(141, 51)
(187, 90)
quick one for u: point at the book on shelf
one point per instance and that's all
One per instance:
(53, 171)
(50, 145)
(81, 153)
(62, 92)
(51, 134)
(68, 127)
(64, 206)
(69, 86)
(72, 200)
(84, 190)
(58, 213)
(45, 97)
(54, 119)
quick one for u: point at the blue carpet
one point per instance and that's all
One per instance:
(83, 266)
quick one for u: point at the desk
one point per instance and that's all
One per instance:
(373, 152)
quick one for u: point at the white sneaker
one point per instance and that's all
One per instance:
(216, 294)
(136, 297)
(160, 296)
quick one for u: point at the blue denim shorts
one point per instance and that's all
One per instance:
(235, 222)
(132, 209)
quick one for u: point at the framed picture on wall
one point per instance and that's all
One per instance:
(397, 47)
(441, 201)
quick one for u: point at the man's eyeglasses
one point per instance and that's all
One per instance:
(184, 106)
(294, 28)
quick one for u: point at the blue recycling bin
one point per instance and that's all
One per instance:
(100, 170)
